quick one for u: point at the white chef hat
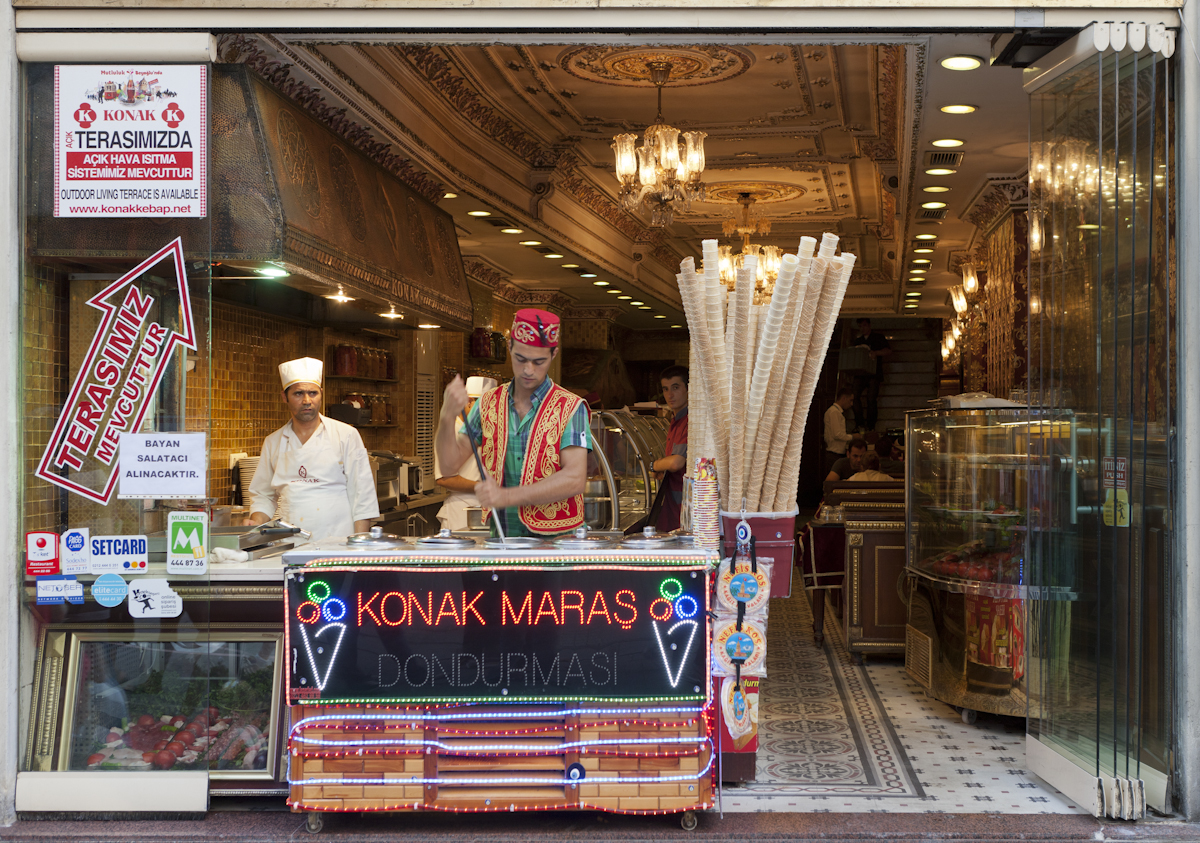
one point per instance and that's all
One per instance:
(477, 386)
(301, 370)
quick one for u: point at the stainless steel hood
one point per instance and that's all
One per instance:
(285, 189)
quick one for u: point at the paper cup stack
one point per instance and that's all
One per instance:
(706, 505)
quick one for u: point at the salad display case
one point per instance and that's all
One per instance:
(976, 490)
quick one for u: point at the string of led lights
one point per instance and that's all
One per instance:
(418, 805)
(507, 715)
(482, 749)
(617, 560)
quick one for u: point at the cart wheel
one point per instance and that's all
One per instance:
(313, 823)
(968, 716)
(689, 821)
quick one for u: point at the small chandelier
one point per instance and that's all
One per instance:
(769, 257)
(663, 172)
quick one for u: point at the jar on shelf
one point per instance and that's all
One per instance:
(346, 362)
(390, 362)
(481, 343)
(378, 410)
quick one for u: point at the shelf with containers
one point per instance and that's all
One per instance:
(363, 381)
(977, 487)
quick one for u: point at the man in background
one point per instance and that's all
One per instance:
(852, 463)
(836, 437)
(891, 458)
(866, 387)
(673, 465)
(870, 471)
(453, 514)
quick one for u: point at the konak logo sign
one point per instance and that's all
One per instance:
(119, 375)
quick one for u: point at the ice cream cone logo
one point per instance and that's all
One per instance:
(674, 611)
(321, 605)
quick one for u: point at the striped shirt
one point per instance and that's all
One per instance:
(575, 434)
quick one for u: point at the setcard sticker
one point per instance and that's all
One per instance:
(41, 553)
(153, 598)
(163, 465)
(58, 588)
(109, 590)
(75, 555)
(187, 543)
(130, 140)
(119, 555)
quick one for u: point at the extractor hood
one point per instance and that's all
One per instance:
(283, 189)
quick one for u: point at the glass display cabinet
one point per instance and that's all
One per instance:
(621, 487)
(978, 490)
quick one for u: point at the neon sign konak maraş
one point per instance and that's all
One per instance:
(400, 635)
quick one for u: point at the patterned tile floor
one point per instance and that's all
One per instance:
(839, 738)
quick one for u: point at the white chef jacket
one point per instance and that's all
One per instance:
(323, 485)
(453, 514)
(836, 437)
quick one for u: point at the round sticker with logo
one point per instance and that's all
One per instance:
(747, 645)
(739, 646)
(740, 711)
(745, 586)
(109, 589)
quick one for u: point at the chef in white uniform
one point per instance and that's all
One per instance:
(453, 514)
(313, 471)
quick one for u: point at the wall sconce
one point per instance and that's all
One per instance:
(959, 299)
(955, 330)
(950, 342)
(1037, 231)
(970, 284)
(1035, 304)
(945, 352)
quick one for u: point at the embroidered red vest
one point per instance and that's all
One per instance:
(542, 457)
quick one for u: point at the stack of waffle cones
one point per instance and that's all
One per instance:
(755, 368)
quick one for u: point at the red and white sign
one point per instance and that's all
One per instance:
(119, 375)
(130, 141)
(41, 553)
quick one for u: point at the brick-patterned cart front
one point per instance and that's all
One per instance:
(479, 751)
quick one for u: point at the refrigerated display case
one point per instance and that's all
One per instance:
(621, 485)
(976, 493)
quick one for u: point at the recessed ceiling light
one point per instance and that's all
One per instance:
(947, 143)
(659, 316)
(428, 325)
(933, 206)
(449, 195)
(645, 307)
(911, 306)
(926, 237)
(479, 213)
(273, 272)
(553, 255)
(921, 260)
(637, 303)
(962, 62)
(917, 271)
(923, 251)
(936, 188)
(531, 242)
(913, 294)
(958, 109)
(676, 326)
(512, 231)
(587, 275)
(940, 171)
(614, 292)
(624, 298)
(596, 283)
(570, 266)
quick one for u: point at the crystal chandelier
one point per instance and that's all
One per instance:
(769, 257)
(663, 172)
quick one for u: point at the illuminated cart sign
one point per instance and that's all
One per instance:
(413, 635)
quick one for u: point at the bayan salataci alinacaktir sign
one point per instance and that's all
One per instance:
(120, 373)
(424, 635)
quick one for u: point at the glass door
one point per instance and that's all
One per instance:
(1101, 340)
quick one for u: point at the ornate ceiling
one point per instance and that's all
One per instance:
(827, 137)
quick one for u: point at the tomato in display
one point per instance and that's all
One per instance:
(161, 744)
(176, 747)
(177, 721)
(186, 738)
(113, 736)
(95, 758)
(212, 713)
(164, 760)
(148, 757)
(145, 721)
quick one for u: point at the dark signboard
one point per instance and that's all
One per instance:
(431, 635)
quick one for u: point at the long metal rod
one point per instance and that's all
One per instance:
(482, 474)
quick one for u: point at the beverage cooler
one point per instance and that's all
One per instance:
(977, 495)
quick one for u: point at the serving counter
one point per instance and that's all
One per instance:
(453, 675)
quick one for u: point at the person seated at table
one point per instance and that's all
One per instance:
(891, 458)
(871, 472)
(849, 464)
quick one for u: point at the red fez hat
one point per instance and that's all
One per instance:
(535, 327)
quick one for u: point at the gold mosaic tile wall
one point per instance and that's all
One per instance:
(44, 312)
(586, 333)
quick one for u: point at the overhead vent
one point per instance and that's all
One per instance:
(499, 223)
(929, 214)
(940, 158)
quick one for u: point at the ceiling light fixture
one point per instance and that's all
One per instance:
(935, 188)
(926, 237)
(531, 242)
(940, 171)
(947, 143)
(662, 171)
(553, 255)
(645, 307)
(913, 294)
(392, 314)
(933, 206)
(340, 296)
(614, 292)
(958, 109)
(449, 195)
(273, 272)
(659, 316)
(923, 251)
(624, 298)
(587, 275)
(512, 231)
(917, 271)
(962, 62)
(922, 260)
(570, 266)
(770, 258)
(479, 213)
(428, 325)
(637, 303)
(597, 283)
(911, 306)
